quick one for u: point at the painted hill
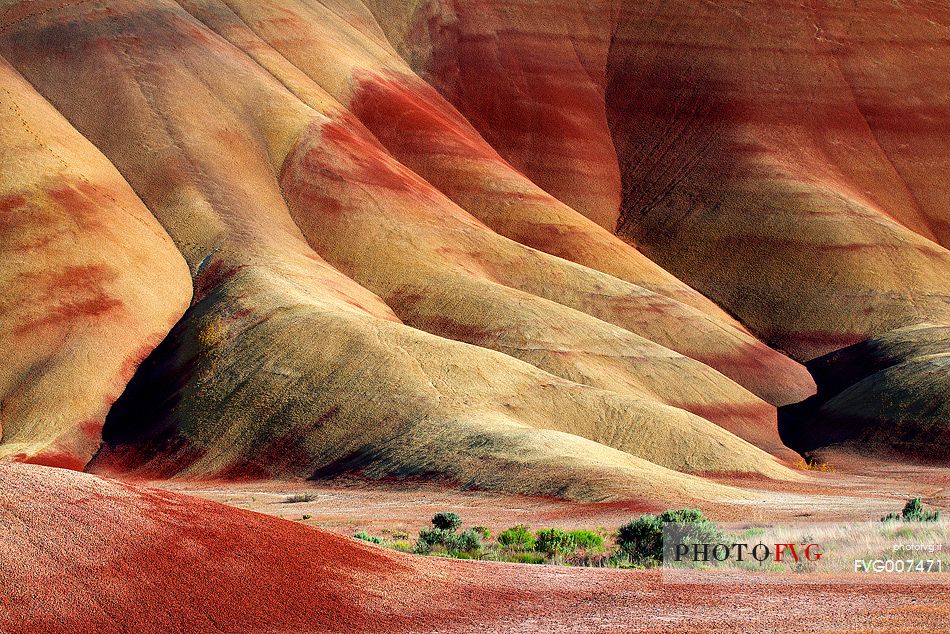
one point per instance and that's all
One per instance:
(789, 162)
(91, 282)
(536, 246)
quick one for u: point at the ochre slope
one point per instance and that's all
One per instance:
(286, 367)
(444, 272)
(787, 160)
(426, 133)
(320, 392)
(91, 283)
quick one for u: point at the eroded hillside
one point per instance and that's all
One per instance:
(534, 247)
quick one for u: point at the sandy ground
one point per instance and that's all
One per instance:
(83, 554)
(382, 508)
(585, 600)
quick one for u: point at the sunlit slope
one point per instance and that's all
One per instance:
(286, 366)
(91, 282)
(340, 48)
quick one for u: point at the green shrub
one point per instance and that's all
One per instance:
(429, 538)
(468, 541)
(517, 538)
(527, 558)
(553, 540)
(913, 512)
(642, 539)
(482, 531)
(588, 540)
(366, 537)
(402, 546)
(447, 521)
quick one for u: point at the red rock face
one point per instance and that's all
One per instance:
(785, 160)
(755, 148)
(530, 77)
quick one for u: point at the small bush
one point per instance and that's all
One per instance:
(483, 531)
(588, 540)
(402, 546)
(431, 538)
(366, 537)
(468, 540)
(296, 498)
(517, 538)
(813, 465)
(913, 512)
(642, 539)
(400, 536)
(447, 521)
(553, 540)
(307, 517)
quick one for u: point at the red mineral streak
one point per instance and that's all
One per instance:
(9, 205)
(402, 110)
(69, 295)
(53, 458)
(537, 98)
(753, 422)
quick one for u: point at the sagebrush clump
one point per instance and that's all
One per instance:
(447, 521)
(586, 540)
(553, 541)
(517, 538)
(913, 512)
(637, 543)
(642, 539)
(443, 537)
(366, 537)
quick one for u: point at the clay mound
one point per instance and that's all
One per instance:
(82, 554)
(91, 283)
(427, 135)
(765, 153)
(244, 389)
(460, 280)
(882, 397)
(295, 221)
(840, 369)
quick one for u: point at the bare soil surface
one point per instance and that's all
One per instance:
(83, 554)
(344, 506)
(562, 599)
